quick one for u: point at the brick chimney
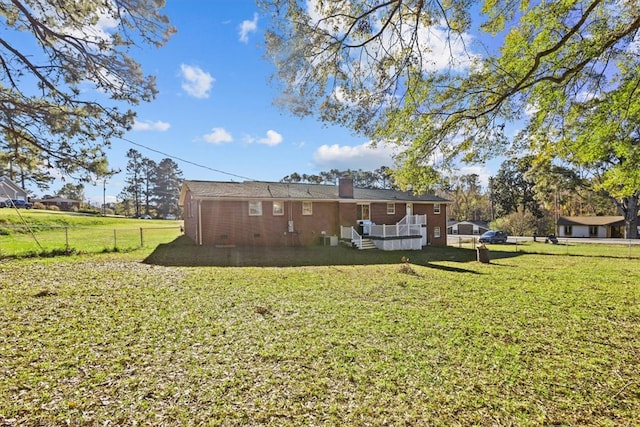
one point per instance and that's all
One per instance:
(345, 188)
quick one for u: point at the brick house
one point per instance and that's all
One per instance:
(256, 213)
(63, 203)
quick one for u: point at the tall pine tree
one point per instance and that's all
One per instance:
(168, 180)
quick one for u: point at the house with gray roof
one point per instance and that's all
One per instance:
(11, 190)
(257, 213)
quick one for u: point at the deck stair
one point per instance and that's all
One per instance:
(367, 244)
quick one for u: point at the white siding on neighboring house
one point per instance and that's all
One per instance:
(582, 231)
(10, 190)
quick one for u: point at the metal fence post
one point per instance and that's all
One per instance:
(66, 239)
(141, 238)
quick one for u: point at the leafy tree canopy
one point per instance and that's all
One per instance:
(72, 191)
(65, 67)
(379, 178)
(410, 72)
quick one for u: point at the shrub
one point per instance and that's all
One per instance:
(53, 208)
(516, 224)
(39, 205)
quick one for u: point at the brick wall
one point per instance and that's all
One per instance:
(229, 223)
(433, 221)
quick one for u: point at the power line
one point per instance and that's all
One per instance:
(188, 161)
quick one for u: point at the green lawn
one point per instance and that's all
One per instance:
(38, 232)
(321, 336)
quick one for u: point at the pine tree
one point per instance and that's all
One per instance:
(168, 180)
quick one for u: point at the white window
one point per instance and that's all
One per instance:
(307, 208)
(391, 208)
(255, 208)
(278, 208)
(436, 208)
(436, 232)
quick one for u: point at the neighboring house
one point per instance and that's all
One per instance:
(62, 203)
(467, 228)
(254, 213)
(591, 226)
(11, 190)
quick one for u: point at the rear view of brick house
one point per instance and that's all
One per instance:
(256, 213)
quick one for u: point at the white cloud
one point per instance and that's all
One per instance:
(272, 139)
(364, 156)
(196, 82)
(148, 125)
(218, 136)
(248, 27)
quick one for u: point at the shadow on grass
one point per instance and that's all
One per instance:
(183, 252)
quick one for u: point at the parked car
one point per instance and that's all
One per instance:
(494, 236)
(18, 204)
(145, 216)
(5, 203)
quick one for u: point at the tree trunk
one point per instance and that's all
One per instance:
(631, 218)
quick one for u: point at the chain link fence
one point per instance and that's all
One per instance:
(619, 248)
(23, 240)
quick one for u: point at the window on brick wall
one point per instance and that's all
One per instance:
(255, 208)
(391, 208)
(436, 232)
(436, 208)
(307, 208)
(278, 208)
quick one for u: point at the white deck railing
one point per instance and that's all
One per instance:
(397, 230)
(350, 233)
(414, 219)
(410, 225)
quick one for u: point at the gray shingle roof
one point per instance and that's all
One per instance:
(281, 190)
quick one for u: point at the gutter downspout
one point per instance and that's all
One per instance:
(200, 222)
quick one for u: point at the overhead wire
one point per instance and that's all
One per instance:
(187, 161)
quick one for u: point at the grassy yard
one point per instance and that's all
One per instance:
(38, 232)
(344, 337)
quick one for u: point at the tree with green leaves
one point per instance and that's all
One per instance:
(52, 54)
(133, 190)
(72, 191)
(23, 164)
(167, 185)
(148, 177)
(379, 178)
(600, 136)
(512, 191)
(411, 73)
(466, 195)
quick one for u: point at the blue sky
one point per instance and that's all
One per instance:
(215, 107)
